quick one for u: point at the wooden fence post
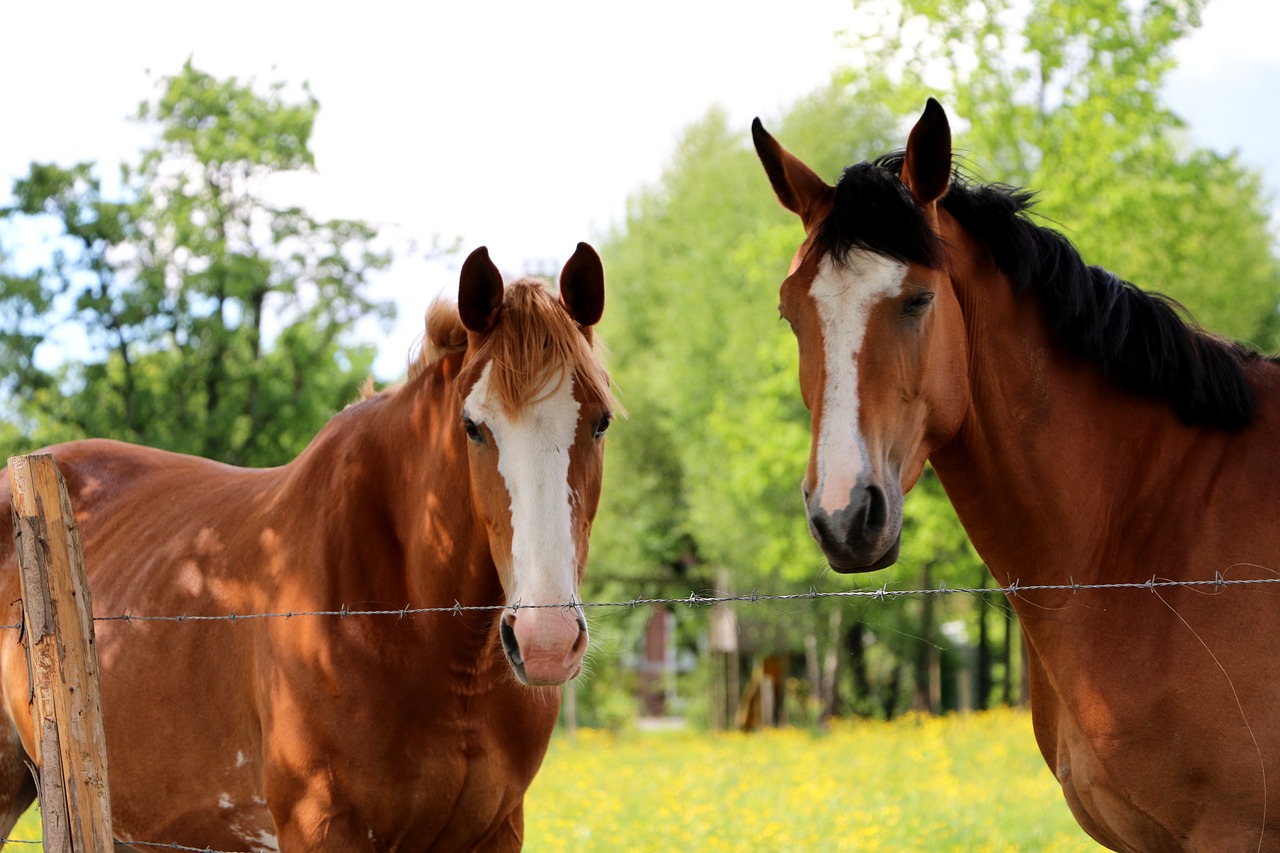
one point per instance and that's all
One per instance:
(75, 801)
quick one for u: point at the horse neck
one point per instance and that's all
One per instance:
(1049, 456)
(389, 481)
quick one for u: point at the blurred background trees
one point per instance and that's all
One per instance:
(183, 308)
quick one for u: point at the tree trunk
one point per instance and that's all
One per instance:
(1006, 656)
(1024, 674)
(831, 666)
(813, 669)
(983, 679)
(890, 701)
(856, 647)
(925, 663)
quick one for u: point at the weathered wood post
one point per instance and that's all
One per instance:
(75, 801)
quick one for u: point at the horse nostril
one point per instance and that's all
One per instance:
(877, 508)
(580, 644)
(821, 524)
(507, 632)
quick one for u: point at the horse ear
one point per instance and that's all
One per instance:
(479, 292)
(582, 286)
(926, 170)
(797, 186)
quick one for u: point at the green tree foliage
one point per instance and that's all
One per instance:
(704, 482)
(195, 314)
(1065, 97)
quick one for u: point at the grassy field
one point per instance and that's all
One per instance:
(962, 783)
(28, 829)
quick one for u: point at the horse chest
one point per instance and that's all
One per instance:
(441, 762)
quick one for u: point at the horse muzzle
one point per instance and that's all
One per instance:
(544, 645)
(863, 536)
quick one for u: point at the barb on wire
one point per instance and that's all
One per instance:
(170, 845)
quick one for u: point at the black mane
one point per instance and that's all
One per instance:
(1140, 339)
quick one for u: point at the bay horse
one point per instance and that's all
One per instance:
(1085, 432)
(473, 484)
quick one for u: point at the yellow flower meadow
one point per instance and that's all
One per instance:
(972, 783)
(957, 783)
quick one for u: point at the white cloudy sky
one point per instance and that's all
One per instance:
(520, 125)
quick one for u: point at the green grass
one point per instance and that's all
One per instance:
(28, 829)
(958, 783)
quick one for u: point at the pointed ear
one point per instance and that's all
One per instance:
(798, 187)
(479, 292)
(926, 171)
(582, 286)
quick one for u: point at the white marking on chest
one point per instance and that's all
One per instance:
(533, 459)
(258, 840)
(263, 842)
(845, 296)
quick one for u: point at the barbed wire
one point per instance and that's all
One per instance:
(170, 845)
(696, 599)
(154, 845)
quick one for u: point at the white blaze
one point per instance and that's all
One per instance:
(533, 459)
(845, 296)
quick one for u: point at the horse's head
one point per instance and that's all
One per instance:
(535, 406)
(883, 363)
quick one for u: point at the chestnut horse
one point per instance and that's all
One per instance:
(474, 484)
(1085, 433)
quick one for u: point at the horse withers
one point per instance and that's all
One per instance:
(1085, 434)
(472, 485)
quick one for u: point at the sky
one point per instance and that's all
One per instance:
(522, 126)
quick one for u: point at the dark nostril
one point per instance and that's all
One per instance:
(821, 523)
(507, 633)
(877, 508)
(580, 644)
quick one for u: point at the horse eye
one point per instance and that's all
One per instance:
(915, 304)
(602, 425)
(473, 431)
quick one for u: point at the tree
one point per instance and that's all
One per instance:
(198, 315)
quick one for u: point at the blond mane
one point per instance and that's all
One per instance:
(535, 338)
(444, 335)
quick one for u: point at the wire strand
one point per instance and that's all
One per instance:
(695, 599)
